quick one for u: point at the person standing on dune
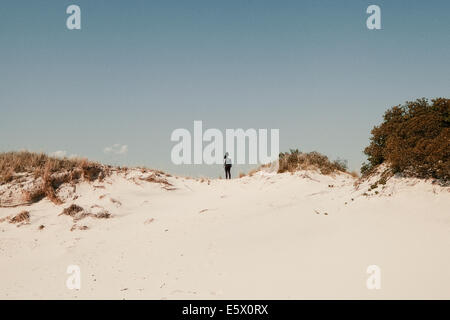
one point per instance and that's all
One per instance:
(227, 165)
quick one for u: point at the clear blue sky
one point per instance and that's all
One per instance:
(140, 69)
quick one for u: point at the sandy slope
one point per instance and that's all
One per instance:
(263, 237)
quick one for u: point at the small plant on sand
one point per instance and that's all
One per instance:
(72, 210)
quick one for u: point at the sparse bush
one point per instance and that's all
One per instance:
(413, 139)
(296, 160)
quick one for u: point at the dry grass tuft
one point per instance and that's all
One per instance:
(23, 216)
(72, 210)
(78, 213)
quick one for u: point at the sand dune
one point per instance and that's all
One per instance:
(268, 236)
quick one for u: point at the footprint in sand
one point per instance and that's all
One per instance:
(116, 202)
(148, 221)
(317, 212)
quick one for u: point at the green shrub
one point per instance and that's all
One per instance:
(413, 139)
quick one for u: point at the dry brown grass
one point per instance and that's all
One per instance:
(40, 164)
(28, 162)
(52, 171)
(296, 160)
(241, 174)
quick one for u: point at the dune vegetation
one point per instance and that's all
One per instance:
(295, 160)
(413, 140)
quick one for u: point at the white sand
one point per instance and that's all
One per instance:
(257, 237)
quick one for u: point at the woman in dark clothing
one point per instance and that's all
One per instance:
(227, 165)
